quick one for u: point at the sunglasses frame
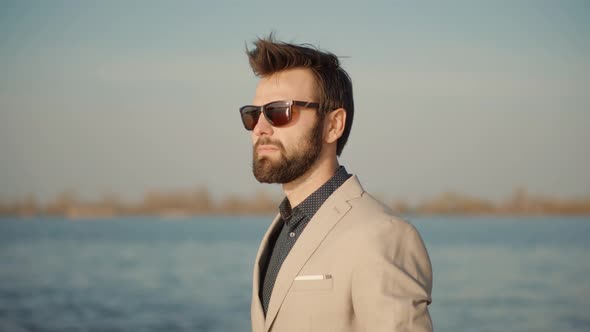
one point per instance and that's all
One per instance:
(262, 109)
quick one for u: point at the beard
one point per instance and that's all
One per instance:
(289, 166)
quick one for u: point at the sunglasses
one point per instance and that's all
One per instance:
(277, 113)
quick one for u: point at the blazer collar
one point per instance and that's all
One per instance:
(333, 209)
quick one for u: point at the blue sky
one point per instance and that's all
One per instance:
(128, 96)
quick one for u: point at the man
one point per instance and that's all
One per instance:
(334, 258)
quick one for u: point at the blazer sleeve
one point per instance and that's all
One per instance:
(392, 282)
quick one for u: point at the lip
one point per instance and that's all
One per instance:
(267, 148)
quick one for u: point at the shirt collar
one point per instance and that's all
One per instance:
(309, 206)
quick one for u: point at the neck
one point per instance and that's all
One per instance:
(299, 189)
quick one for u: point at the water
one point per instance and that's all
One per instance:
(141, 274)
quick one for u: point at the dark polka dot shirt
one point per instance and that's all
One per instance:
(294, 221)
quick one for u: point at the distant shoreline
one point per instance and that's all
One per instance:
(188, 204)
(266, 217)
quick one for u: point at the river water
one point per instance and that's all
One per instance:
(149, 274)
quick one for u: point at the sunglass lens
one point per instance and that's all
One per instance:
(250, 117)
(278, 113)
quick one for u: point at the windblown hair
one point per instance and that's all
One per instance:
(334, 85)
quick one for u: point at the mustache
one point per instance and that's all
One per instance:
(268, 141)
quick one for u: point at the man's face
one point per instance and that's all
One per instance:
(283, 154)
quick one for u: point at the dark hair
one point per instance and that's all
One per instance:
(335, 87)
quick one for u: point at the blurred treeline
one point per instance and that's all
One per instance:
(200, 202)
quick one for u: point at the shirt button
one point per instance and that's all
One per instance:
(292, 234)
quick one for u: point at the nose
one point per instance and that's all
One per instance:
(262, 127)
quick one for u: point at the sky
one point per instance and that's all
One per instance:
(476, 97)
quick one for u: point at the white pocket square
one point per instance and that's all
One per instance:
(313, 277)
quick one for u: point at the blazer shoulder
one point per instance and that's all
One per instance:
(374, 224)
(374, 213)
(369, 217)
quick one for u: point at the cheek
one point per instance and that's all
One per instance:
(308, 120)
(297, 142)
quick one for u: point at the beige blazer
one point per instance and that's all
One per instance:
(355, 267)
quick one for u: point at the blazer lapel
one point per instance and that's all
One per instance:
(257, 314)
(333, 209)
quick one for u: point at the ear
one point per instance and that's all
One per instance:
(334, 125)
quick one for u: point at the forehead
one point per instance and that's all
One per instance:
(292, 84)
